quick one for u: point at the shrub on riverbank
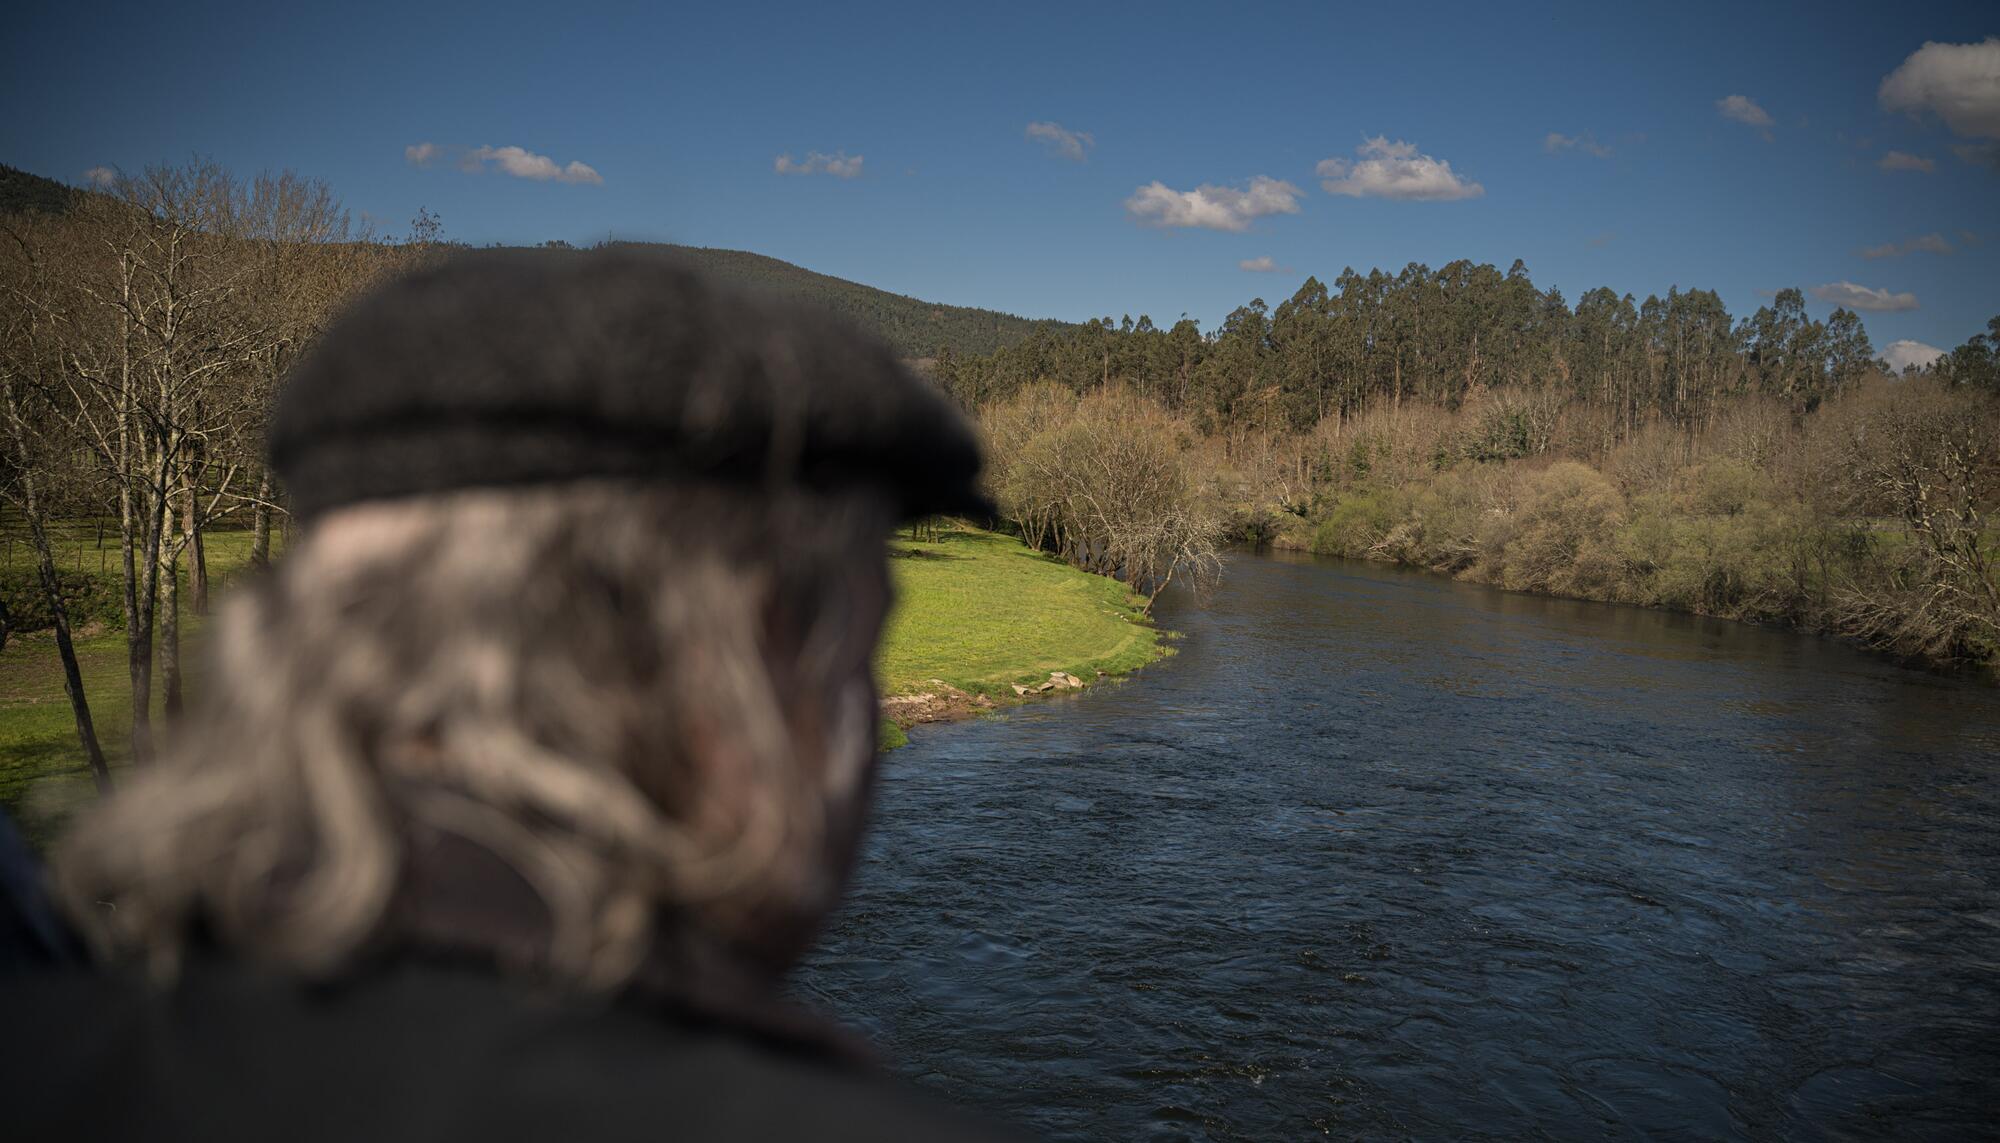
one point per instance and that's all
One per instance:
(1869, 519)
(1106, 481)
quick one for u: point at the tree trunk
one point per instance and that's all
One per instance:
(79, 705)
(197, 558)
(139, 640)
(260, 524)
(170, 640)
(1147, 610)
(45, 565)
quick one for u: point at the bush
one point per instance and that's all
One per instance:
(1255, 525)
(89, 598)
(1724, 487)
(1747, 560)
(1447, 517)
(1359, 522)
(1563, 539)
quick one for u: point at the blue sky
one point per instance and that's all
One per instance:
(678, 117)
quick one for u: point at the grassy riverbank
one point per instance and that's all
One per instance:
(975, 610)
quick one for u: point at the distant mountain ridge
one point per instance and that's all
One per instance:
(917, 329)
(23, 191)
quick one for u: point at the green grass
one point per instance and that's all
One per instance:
(82, 546)
(42, 771)
(975, 609)
(981, 611)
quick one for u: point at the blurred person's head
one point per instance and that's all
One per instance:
(571, 665)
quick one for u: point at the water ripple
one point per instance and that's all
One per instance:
(1380, 855)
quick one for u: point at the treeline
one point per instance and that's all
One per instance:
(1464, 421)
(143, 334)
(1438, 337)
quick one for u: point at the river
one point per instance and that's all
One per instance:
(1378, 854)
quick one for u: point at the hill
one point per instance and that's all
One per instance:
(917, 329)
(20, 191)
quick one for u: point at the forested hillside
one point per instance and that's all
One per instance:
(917, 329)
(20, 190)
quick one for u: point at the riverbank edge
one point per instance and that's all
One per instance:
(912, 700)
(1988, 673)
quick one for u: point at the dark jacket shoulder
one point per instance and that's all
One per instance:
(419, 1051)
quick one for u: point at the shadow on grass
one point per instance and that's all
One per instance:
(43, 786)
(920, 554)
(962, 536)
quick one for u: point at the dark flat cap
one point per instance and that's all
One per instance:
(527, 366)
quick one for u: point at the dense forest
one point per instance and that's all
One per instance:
(21, 191)
(1440, 336)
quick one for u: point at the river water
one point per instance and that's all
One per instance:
(1379, 854)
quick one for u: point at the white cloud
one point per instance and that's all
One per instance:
(1586, 142)
(101, 176)
(516, 161)
(1394, 170)
(1904, 161)
(1902, 354)
(1212, 207)
(1744, 109)
(523, 164)
(1959, 83)
(1932, 243)
(1263, 265)
(1068, 144)
(839, 164)
(1862, 298)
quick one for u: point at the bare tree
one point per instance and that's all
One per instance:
(1106, 481)
(25, 360)
(1931, 456)
(151, 299)
(306, 260)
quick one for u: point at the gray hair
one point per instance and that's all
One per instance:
(652, 703)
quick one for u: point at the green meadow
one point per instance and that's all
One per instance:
(980, 611)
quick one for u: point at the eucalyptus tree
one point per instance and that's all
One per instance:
(1976, 363)
(1303, 345)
